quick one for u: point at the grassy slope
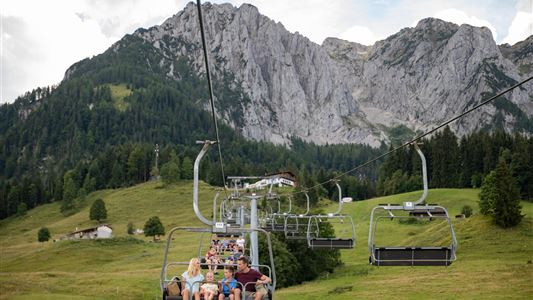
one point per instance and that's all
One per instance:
(118, 93)
(98, 268)
(491, 262)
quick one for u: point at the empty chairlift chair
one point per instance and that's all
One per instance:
(416, 255)
(276, 221)
(317, 240)
(296, 225)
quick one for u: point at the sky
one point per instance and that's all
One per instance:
(40, 39)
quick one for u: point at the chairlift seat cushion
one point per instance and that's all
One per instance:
(423, 212)
(278, 227)
(292, 228)
(412, 256)
(331, 243)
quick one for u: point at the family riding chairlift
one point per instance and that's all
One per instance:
(411, 255)
(315, 238)
(215, 227)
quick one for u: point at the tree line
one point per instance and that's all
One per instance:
(459, 162)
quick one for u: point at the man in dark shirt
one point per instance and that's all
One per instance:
(256, 280)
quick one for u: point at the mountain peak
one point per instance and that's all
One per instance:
(340, 91)
(436, 24)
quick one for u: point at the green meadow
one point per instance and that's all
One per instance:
(492, 263)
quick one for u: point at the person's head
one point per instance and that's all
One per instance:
(228, 272)
(194, 267)
(209, 276)
(242, 263)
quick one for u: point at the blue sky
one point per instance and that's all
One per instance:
(41, 39)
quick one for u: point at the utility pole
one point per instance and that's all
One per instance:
(156, 150)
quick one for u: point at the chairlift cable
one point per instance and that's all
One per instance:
(211, 96)
(416, 138)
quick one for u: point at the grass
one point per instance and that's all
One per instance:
(492, 262)
(118, 93)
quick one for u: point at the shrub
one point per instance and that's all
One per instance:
(467, 211)
(43, 235)
(130, 228)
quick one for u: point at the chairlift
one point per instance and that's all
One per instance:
(411, 255)
(168, 273)
(317, 240)
(214, 227)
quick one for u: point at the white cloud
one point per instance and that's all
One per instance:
(460, 17)
(52, 35)
(40, 43)
(360, 34)
(520, 29)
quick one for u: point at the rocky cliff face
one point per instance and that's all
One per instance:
(343, 92)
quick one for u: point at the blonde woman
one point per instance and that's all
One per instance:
(192, 279)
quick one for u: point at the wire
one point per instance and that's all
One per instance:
(211, 97)
(415, 139)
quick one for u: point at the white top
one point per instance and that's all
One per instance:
(240, 242)
(193, 282)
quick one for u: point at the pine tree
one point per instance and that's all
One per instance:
(186, 168)
(22, 209)
(136, 164)
(117, 175)
(89, 184)
(507, 209)
(488, 194)
(154, 227)
(98, 211)
(70, 191)
(170, 173)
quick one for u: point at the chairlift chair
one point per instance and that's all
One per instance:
(411, 255)
(276, 221)
(296, 225)
(317, 241)
(214, 227)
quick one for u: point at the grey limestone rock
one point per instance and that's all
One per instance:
(344, 92)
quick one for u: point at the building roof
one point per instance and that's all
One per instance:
(90, 229)
(282, 173)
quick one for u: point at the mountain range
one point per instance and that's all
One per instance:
(344, 92)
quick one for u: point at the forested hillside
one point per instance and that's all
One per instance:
(102, 123)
